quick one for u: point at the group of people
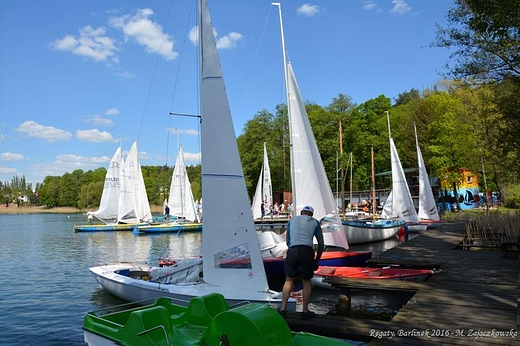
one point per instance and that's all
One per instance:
(274, 210)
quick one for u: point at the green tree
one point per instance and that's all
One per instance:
(268, 128)
(486, 38)
(50, 192)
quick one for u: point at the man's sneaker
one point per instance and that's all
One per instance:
(307, 315)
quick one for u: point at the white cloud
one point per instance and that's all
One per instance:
(48, 133)
(193, 35)
(400, 7)
(192, 158)
(7, 170)
(369, 5)
(94, 135)
(224, 42)
(11, 157)
(125, 74)
(308, 10)
(97, 119)
(67, 163)
(78, 159)
(91, 43)
(146, 33)
(229, 41)
(189, 132)
(112, 111)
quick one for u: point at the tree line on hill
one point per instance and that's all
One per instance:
(470, 120)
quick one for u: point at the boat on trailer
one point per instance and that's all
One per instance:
(205, 320)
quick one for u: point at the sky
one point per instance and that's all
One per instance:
(80, 78)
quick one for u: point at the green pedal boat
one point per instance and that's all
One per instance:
(207, 320)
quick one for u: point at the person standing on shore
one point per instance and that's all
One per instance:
(301, 231)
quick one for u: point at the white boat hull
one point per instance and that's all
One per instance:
(416, 227)
(358, 232)
(132, 289)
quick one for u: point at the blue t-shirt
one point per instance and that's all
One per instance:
(302, 229)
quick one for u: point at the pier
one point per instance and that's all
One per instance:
(471, 299)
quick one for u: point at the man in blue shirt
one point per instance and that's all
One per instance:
(301, 231)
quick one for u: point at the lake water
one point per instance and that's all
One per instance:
(46, 287)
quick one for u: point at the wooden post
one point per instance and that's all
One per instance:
(345, 301)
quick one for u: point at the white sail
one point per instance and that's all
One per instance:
(108, 206)
(141, 198)
(228, 232)
(134, 205)
(401, 203)
(310, 185)
(180, 200)
(427, 205)
(256, 205)
(264, 189)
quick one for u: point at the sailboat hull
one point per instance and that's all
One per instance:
(169, 228)
(432, 223)
(119, 280)
(365, 231)
(106, 227)
(274, 266)
(416, 227)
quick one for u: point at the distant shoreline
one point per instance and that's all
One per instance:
(14, 209)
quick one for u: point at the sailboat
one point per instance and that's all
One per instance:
(231, 262)
(374, 228)
(428, 213)
(371, 227)
(400, 202)
(264, 190)
(180, 202)
(310, 185)
(124, 203)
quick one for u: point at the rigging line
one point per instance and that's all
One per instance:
(253, 60)
(154, 71)
(175, 84)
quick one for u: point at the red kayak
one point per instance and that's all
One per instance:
(386, 273)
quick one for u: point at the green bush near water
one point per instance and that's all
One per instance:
(513, 196)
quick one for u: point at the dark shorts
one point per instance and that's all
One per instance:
(300, 257)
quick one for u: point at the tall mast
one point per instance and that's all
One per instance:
(351, 164)
(373, 186)
(388, 121)
(342, 167)
(284, 54)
